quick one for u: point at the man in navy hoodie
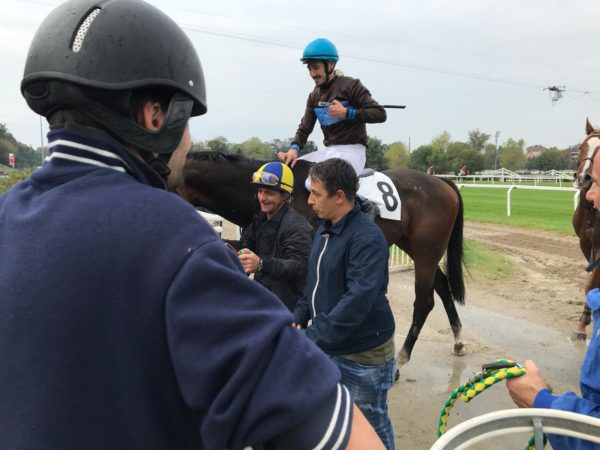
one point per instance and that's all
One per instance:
(345, 294)
(124, 321)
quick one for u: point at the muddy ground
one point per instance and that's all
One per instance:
(530, 315)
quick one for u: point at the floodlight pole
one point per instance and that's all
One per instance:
(496, 154)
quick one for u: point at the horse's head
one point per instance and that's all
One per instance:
(588, 149)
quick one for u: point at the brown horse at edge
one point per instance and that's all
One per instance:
(585, 220)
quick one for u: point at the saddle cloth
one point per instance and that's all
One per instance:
(380, 189)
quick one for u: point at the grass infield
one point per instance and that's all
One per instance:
(543, 210)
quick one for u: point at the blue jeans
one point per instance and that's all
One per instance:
(368, 386)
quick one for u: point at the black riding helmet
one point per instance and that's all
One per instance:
(91, 54)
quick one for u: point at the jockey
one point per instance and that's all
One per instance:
(275, 246)
(342, 105)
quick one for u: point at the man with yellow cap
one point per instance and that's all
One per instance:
(276, 245)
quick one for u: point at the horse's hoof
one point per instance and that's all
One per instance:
(397, 376)
(459, 349)
(578, 336)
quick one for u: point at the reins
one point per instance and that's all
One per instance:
(490, 374)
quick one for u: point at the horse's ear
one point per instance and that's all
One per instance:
(588, 126)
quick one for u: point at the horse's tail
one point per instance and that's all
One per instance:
(454, 257)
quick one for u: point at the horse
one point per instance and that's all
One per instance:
(585, 223)
(431, 225)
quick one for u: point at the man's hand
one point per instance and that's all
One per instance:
(297, 326)
(337, 110)
(524, 389)
(290, 157)
(250, 260)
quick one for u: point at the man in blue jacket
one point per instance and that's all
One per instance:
(531, 390)
(345, 294)
(125, 323)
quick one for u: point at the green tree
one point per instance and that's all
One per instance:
(375, 154)
(420, 158)
(548, 160)
(397, 155)
(6, 147)
(256, 149)
(218, 144)
(511, 155)
(27, 156)
(489, 157)
(441, 142)
(478, 140)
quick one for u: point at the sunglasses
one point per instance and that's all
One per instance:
(268, 179)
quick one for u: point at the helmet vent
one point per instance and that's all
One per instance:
(83, 29)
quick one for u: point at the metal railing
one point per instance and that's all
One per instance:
(509, 421)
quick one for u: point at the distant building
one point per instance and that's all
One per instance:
(574, 152)
(534, 151)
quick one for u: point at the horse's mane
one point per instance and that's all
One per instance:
(224, 158)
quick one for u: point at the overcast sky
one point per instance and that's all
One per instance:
(458, 65)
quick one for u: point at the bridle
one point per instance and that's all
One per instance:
(584, 183)
(583, 173)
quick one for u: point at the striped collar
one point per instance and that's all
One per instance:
(74, 151)
(88, 146)
(76, 144)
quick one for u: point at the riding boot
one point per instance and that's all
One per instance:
(368, 207)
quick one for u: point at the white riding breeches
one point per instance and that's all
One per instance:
(354, 154)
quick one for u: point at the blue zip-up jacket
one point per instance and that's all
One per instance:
(589, 382)
(345, 294)
(125, 323)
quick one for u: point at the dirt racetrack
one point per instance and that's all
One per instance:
(528, 316)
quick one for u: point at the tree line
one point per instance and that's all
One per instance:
(442, 153)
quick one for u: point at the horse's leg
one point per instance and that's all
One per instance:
(424, 277)
(585, 319)
(443, 290)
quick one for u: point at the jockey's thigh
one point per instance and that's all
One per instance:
(354, 154)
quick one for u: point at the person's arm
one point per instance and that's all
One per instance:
(364, 108)
(242, 369)
(304, 130)
(365, 275)
(363, 436)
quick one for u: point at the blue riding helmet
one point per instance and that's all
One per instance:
(321, 50)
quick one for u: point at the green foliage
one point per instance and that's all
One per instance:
(548, 160)
(218, 144)
(256, 149)
(375, 154)
(485, 264)
(13, 177)
(511, 156)
(420, 158)
(478, 140)
(397, 155)
(544, 210)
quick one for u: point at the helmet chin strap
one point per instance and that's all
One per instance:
(327, 71)
(159, 163)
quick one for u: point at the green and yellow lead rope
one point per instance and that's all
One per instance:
(479, 383)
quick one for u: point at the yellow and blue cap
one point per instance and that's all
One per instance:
(274, 175)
